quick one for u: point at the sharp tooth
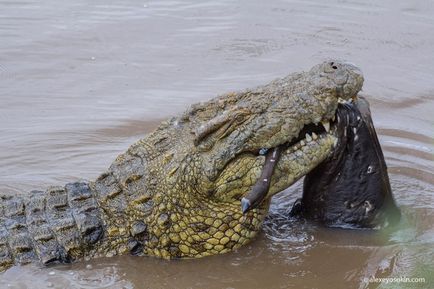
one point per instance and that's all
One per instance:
(326, 125)
(314, 136)
(333, 118)
(308, 137)
(302, 143)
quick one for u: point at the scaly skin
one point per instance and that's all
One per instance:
(176, 193)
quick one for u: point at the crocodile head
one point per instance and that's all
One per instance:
(231, 133)
(200, 165)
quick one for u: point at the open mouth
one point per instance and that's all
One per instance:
(309, 135)
(311, 132)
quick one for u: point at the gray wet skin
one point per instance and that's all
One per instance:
(176, 193)
(351, 187)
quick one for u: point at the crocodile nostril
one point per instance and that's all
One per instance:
(334, 67)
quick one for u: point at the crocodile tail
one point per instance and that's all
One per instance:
(58, 225)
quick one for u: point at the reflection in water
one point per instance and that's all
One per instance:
(91, 276)
(82, 80)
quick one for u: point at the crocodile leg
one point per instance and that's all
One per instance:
(58, 225)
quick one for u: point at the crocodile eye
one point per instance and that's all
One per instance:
(240, 118)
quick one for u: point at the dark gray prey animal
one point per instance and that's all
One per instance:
(351, 188)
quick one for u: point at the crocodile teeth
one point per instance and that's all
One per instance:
(314, 136)
(302, 143)
(326, 125)
(341, 100)
(333, 118)
(308, 137)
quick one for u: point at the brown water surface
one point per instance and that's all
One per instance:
(82, 80)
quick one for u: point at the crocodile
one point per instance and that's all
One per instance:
(176, 193)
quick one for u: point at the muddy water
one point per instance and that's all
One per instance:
(81, 80)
